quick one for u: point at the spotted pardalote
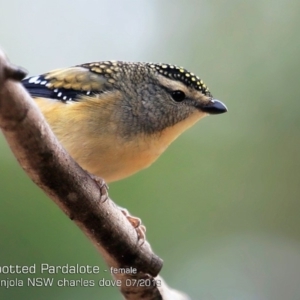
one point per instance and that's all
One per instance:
(116, 118)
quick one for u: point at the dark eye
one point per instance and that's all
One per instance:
(178, 96)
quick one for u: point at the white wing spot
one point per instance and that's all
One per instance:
(59, 94)
(33, 79)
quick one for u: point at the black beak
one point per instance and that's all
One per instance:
(214, 107)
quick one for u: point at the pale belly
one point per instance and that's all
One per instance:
(116, 163)
(114, 159)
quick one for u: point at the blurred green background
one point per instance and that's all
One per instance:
(221, 205)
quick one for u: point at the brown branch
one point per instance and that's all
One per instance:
(74, 191)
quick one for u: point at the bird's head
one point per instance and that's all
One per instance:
(158, 96)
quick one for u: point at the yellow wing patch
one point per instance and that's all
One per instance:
(76, 78)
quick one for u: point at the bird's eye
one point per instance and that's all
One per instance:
(178, 96)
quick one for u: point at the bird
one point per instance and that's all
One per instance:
(116, 118)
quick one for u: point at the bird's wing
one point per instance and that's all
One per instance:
(68, 84)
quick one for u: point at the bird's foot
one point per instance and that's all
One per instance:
(137, 224)
(102, 186)
(134, 221)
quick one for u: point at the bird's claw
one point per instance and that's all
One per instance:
(102, 186)
(137, 224)
(134, 221)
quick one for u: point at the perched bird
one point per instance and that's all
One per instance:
(116, 118)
